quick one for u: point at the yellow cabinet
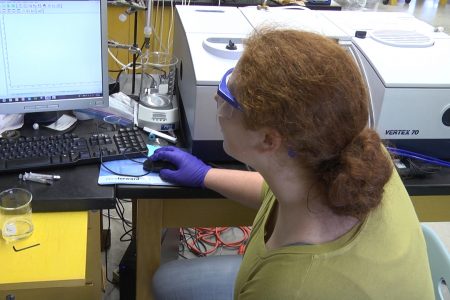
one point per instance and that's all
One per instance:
(63, 262)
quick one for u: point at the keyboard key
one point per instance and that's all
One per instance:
(84, 155)
(56, 159)
(65, 159)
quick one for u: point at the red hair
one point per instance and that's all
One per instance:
(310, 90)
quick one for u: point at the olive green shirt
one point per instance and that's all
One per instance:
(384, 257)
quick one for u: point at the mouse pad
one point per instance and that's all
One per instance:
(129, 167)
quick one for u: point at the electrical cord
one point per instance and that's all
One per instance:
(415, 165)
(113, 217)
(124, 154)
(203, 241)
(125, 223)
(120, 212)
(125, 67)
(412, 168)
(126, 200)
(126, 233)
(198, 246)
(125, 157)
(423, 169)
(120, 209)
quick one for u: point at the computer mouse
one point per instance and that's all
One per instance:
(157, 165)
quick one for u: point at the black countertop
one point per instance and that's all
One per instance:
(437, 184)
(77, 190)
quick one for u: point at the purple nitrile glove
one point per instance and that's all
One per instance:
(191, 170)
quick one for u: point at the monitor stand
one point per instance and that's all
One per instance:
(41, 118)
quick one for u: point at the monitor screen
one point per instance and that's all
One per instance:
(52, 55)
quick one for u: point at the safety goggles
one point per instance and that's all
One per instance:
(226, 102)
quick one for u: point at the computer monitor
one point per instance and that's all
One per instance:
(53, 55)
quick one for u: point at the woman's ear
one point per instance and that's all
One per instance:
(271, 140)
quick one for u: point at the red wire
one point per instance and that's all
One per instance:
(213, 237)
(193, 248)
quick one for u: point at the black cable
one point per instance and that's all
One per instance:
(421, 169)
(125, 222)
(192, 237)
(125, 229)
(198, 243)
(108, 126)
(424, 168)
(128, 232)
(417, 169)
(179, 254)
(120, 209)
(183, 244)
(124, 154)
(154, 82)
(118, 206)
(181, 251)
(121, 174)
(119, 72)
(117, 79)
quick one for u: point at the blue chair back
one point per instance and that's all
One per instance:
(439, 259)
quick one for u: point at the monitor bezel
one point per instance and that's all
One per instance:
(37, 106)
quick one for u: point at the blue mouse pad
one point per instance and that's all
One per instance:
(129, 167)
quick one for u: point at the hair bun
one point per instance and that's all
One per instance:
(364, 168)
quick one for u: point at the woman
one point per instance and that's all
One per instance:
(334, 219)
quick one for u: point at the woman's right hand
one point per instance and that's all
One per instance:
(190, 171)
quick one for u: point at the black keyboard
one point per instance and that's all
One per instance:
(53, 151)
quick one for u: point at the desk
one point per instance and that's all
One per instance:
(159, 207)
(164, 207)
(66, 264)
(76, 191)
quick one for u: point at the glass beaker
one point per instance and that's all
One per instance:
(15, 214)
(157, 79)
